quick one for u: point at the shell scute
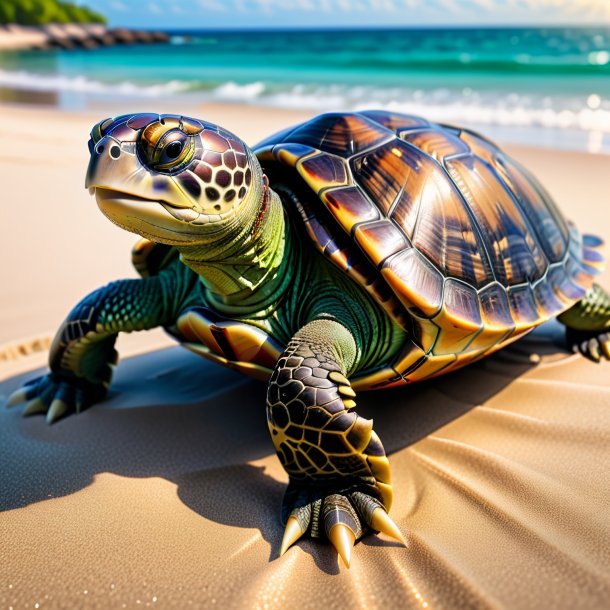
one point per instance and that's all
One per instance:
(547, 301)
(438, 143)
(384, 172)
(515, 255)
(290, 154)
(414, 190)
(459, 320)
(411, 356)
(444, 230)
(430, 367)
(498, 323)
(394, 121)
(416, 282)
(563, 285)
(342, 134)
(546, 220)
(495, 307)
(592, 241)
(549, 226)
(350, 206)
(523, 305)
(380, 239)
(462, 303)
(323, 171)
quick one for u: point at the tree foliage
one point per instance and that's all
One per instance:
(41, 12)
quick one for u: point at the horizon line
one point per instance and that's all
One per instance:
(355, 28)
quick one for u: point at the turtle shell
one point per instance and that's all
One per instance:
(451, 236)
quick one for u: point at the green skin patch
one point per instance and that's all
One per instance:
(247, 288)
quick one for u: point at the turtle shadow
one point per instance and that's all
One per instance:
(205, 436)
(405, 415)
(243, 496)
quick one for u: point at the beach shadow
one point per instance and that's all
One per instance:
(214, 426)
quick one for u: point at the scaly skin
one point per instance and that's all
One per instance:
(588, 325)
(82, 353)
(198, 188)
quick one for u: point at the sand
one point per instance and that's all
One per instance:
(158, 498)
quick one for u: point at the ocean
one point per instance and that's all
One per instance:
(548, 86)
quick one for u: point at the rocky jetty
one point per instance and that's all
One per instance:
(73, 36)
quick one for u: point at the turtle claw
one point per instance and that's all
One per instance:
(589, 349)
(604, 343)
(57, 409)
(595, 347)
(376, 517)
(382, 522)
(56, 397)
(18, 396)
(341, 524)
(343, 539)
(292, 533)
(35, 406)
(341, 518)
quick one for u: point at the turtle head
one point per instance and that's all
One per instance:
(170, 178)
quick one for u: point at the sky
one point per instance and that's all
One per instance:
(230, 14)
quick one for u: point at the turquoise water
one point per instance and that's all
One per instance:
(549, 85)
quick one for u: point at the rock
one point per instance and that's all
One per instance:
(72, 36)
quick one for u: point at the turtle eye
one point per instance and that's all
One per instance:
(171, 152)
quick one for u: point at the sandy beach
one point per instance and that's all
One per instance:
(153, 498)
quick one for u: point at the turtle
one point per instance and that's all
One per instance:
(354, 251)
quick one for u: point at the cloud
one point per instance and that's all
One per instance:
(117, 5)
(447, 5)
(398, 12)
(212, 5)
(486, 4)
(348, 6)
(601, 7)
(383, 5)
(305, 5)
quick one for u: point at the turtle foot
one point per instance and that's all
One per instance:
(340, 518)
(593, 345)
(56, 397)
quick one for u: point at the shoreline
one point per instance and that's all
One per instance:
(82, 95)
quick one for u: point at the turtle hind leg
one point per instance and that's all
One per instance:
(588, 324)
(339, 485)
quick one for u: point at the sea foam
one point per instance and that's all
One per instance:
(588, 112)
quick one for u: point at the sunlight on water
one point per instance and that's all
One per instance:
(549, 86)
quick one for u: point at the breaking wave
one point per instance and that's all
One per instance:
(584, 112)
(577, 121)
(29, 81)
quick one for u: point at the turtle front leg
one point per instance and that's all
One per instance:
(82, 354)
(588, 324)
(339, 484)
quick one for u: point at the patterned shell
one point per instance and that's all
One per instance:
(449, 234)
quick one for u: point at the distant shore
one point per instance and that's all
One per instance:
(15, 37)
